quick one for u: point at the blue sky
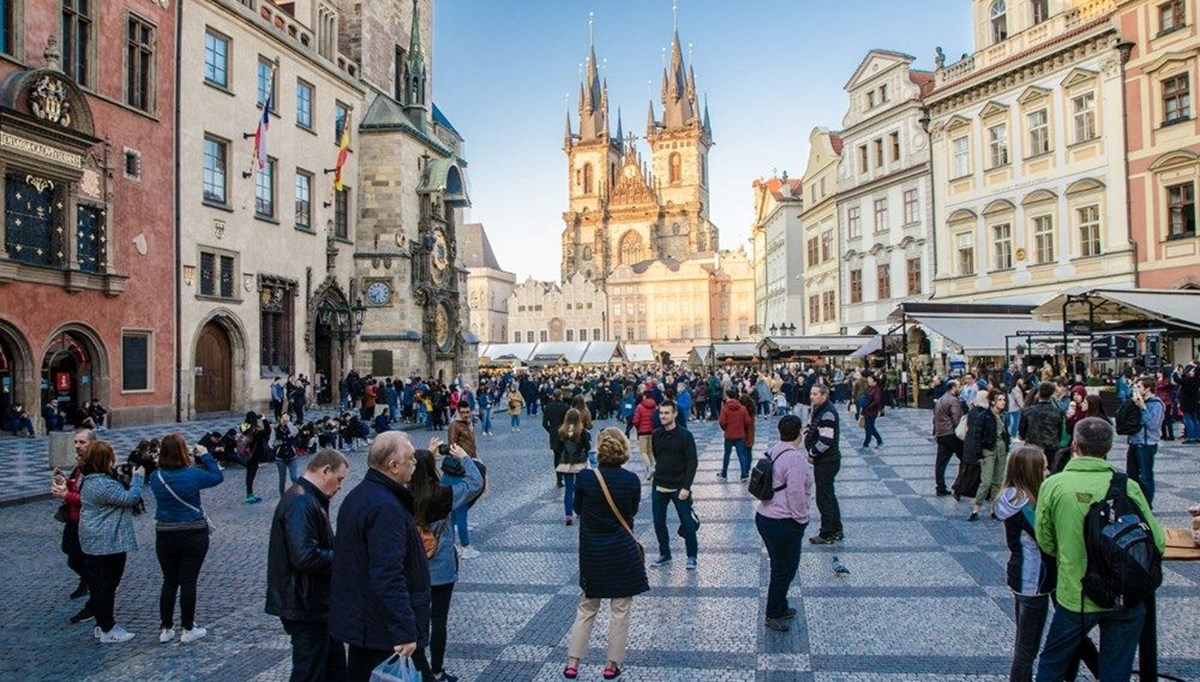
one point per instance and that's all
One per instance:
(772, 71)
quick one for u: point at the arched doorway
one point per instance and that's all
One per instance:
(213, 369)
(68, 372)
(9, 378)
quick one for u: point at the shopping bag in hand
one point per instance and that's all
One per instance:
(396, 668)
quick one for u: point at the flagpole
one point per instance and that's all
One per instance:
(260, 128)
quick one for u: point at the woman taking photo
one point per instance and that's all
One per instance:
(574, 444)
(259, 435)
(106, 532)
(987, 442)
(181, 532)
(611, 562)
(434, 500)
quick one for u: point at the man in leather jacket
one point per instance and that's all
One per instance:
(299, 563)
(1042, 423)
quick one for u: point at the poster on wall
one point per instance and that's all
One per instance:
(62, 382)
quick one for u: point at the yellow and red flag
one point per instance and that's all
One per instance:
(343, 152)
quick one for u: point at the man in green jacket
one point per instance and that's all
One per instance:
(1063, 502)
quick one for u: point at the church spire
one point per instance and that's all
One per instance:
(707, 123)
(620, 128)
(567, 135)
(679, 88)
(651, 124)
(593, 100)
(415, 77)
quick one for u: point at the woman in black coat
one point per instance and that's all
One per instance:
(966, 484)
(611, 562)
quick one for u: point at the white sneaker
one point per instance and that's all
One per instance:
(166, 635)
(192, 635)
(469, 552)
(117, 635)
(96, 632)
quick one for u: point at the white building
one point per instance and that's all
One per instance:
(540, 312)
(778, 253)
(488, 285)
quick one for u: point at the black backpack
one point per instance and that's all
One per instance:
(1124, 565)
(573, 452)
(762, 478)
(1129, 419)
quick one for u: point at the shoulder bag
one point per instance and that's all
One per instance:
(179, 499)
(617, 513)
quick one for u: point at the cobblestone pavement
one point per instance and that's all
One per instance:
(925, 599)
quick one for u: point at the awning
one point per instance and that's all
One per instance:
(602, 353)
(547, 360)
(639, 352)
(777, 346)
(735, 351)
(573, 351)
(873, 346)
(982, 335)
(1175, 307)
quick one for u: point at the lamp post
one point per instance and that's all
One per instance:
(344, 322)
(774, 328)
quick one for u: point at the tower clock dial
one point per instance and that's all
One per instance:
(379, 293)
(441, 328)
(439, 258)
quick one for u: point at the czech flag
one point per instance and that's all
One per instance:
(343, 152)
(260, 133)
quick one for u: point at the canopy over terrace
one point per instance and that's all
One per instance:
(1173, 313)
(639, 353)
(787, 348)
(971, 329)
(604, 353)
(505, 354)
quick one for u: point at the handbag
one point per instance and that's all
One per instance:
(178, 499)
(617, 513)
(396, 668)
(62, 514)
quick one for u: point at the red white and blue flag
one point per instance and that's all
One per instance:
(260, 133)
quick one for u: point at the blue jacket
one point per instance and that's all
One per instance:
(106, 514)
(380, 583)
(1152, 419)
(1124, 390)
(443, 567)
(187, 484)
(277, 392)
(684, 402)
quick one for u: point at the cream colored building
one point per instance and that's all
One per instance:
(819, 224)
(1029, 155)
(258, 248)
(885, 245)
(778, 254)
(541, 312)
(488, 285)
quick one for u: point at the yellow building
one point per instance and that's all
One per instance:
(819, 224)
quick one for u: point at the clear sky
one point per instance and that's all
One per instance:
(772, 71)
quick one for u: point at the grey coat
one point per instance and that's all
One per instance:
(106, 515)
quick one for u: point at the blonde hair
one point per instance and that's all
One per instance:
(612, 447)
(572, 426)
(1025, 471)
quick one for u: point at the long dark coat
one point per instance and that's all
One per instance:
(610, 564)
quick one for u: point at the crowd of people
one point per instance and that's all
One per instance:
(382, 585)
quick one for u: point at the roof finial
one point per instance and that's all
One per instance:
(592, 28)
(663, 59)
(675, 14)
(690, 47)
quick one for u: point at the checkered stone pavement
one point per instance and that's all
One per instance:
(925, 599)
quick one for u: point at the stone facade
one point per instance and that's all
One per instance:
(488, 285)
(819, 224)
(778, 253)
(540, 312)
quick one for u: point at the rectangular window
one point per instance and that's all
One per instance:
(77, 40)
(8, 22)
(878, 153)
(304, 181)
(998, 144)
(856, 294)
(883, 276)
(1181, 202)
(217, 275)
(1041, 11)
(216, 173)
(912, 207)
(814, 308)
(871, 99)
(139, 64)
(33, 222)
(1002, 246)
(264, 190)
(1177, 101)
(304, 105)
(543, 336)
(1043, 239)
(962, 157)
(813, 251)
(340, 113)
(964, 243)
(208, 274)
(225, 286)
(864, 163)
(1171, 16)
(596, 334)
(827, 246)
(216, 59)
(400, 68)
(1039, 132)
(1089, 231)
(853, 222)
(516, 337)
(570, 335)
(135, 361)
(528, 337)
(90, 239)
(277, 351)
(583, 335)
(266, 83)
(894, 138)
(1083, 115)
(828, 306)
(341, 213)
(881, 215)
(883, 93)
(914, 276)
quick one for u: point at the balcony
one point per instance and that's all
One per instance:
(279, 19)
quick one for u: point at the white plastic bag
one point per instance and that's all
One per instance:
(396, 668)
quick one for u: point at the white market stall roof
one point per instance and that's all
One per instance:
(874, 345)
(981, 335)
(816, 345)
(734, 350)
(603, 352)
(518, 351)
(573, 351)
(639, 352)
(1178, 307)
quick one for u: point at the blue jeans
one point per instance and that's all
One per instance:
(485, 420)
(568, 494)
(291, 468)
(687, 523)
(516, 421)
(1119, 634)
(1139, 465)
(458, 517)
(1191, 426)
(783, 539)
(1014, 420)
(871, 432)
(742, 455)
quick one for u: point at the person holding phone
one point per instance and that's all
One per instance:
(66, 488)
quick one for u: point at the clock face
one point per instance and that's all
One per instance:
(441, 251)
(630, 171)
(379, 293)
(441, 328)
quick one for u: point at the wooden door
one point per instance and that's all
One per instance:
(214, 370)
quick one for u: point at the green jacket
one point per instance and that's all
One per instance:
(1063, 502)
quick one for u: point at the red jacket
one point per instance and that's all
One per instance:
(72, 499)
(735, 421)
(643, 417)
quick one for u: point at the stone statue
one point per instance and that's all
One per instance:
(939, 59)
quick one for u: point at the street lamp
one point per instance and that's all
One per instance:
(343, 320)
(773, 329)
(791, 330)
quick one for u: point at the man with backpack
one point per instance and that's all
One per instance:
(783, 481)
(1100, 582)
(1144, 434)
(675, 469)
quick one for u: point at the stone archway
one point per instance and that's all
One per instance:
(328, 354)
(74, 368)
(218, 336)
(18, 376)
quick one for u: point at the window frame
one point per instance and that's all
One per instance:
(856, 286)
(963, 155)
(223, 145)
(881, 208)
(1083, 117)
(270, 170)
(998, 21)
(912, 206)
(1177, 207)
(1181, 97)
(341, 214)
(1090, 239)
(1039, 10)
(302, 86)
(853, 222)
(74, 59)
(220, 258)
(894, 143)
(281, 331)
(912, 271)
(147, 54)
(1002, 246)
(217, 36)
(10, 37)
(998, 145)
(148, 335)
(272, 92)
(307, 224)
(883, 281)
(964, 250)
(1038, 132)
(1044, 239)
(1178, 16)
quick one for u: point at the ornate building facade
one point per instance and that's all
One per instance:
(819, 224)
(488, 285)
(778, 253)
(541, 312)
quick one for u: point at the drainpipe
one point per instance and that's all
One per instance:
(1125, 47)
(178, 234)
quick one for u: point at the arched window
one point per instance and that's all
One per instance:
(999, 21)
(587, 179)
(676, 171)
(632, 248)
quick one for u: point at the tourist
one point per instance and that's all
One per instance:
(610, 558)
(781, 521)
(277, 395)
(299, 561)
(683, 401)
(1016, 403)
(675, 470)
(181, 532)
(1059, 525)
(283, 445)
(749, 404)
(1189, 403)
(947, 412)
(380, 597)
(1165, 390)
(515, 403)
(484, 403)
(553, 414)
(643, 422)
(821, 441)
(1043, 424)
(871, 411)
(1143, 445)
(66, 488)
(257, 435)
(52, 415)
(574, 444)
(735, 421)
(628, 407)
(987, 444)
(106, 532)
(16, 420)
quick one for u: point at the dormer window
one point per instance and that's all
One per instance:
(999, 21)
